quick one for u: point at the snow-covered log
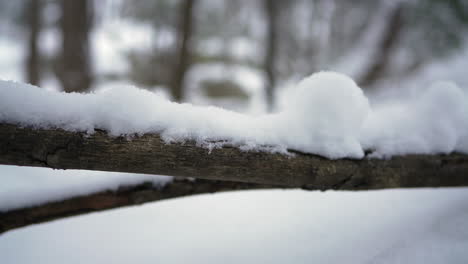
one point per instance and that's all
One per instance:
(110, 199)
(59, 149)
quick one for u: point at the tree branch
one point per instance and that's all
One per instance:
(105, 200)
(59, 149)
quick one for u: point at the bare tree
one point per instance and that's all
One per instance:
(184, 43)
(74, 67)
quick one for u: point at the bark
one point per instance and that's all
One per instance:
(385, 47)
(74, 69)
(33, 12)
(272, 13)
(105, 200)
(55, 148)
(184, 38)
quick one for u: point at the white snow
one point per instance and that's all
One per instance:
(435, 122)
(274, 226)
(327, 114)
(27, 186)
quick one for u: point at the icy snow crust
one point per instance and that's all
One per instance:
(328, 115)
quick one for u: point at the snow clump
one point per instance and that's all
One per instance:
(436, 122)
(325, 115)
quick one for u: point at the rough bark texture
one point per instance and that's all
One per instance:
(148, 154)
(105, 200)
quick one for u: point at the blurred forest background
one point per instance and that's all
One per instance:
(239, 54)
(242, 55)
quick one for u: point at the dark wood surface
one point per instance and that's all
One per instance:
(59, 149)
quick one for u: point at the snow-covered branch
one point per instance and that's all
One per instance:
(59, 149)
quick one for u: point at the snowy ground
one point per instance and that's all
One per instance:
(392, 226)
(28, 186)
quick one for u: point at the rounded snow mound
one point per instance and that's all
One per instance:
(434, 122)
(325, 115)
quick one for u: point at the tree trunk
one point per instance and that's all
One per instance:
(33, 13)
(271, 12)
(184, 43)
(382, 57)
(150, 155)
(74, 69)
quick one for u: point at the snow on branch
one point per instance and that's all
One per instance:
(318, 141)
(149, 154)
(326, 114)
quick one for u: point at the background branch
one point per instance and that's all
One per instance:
(105, 200)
